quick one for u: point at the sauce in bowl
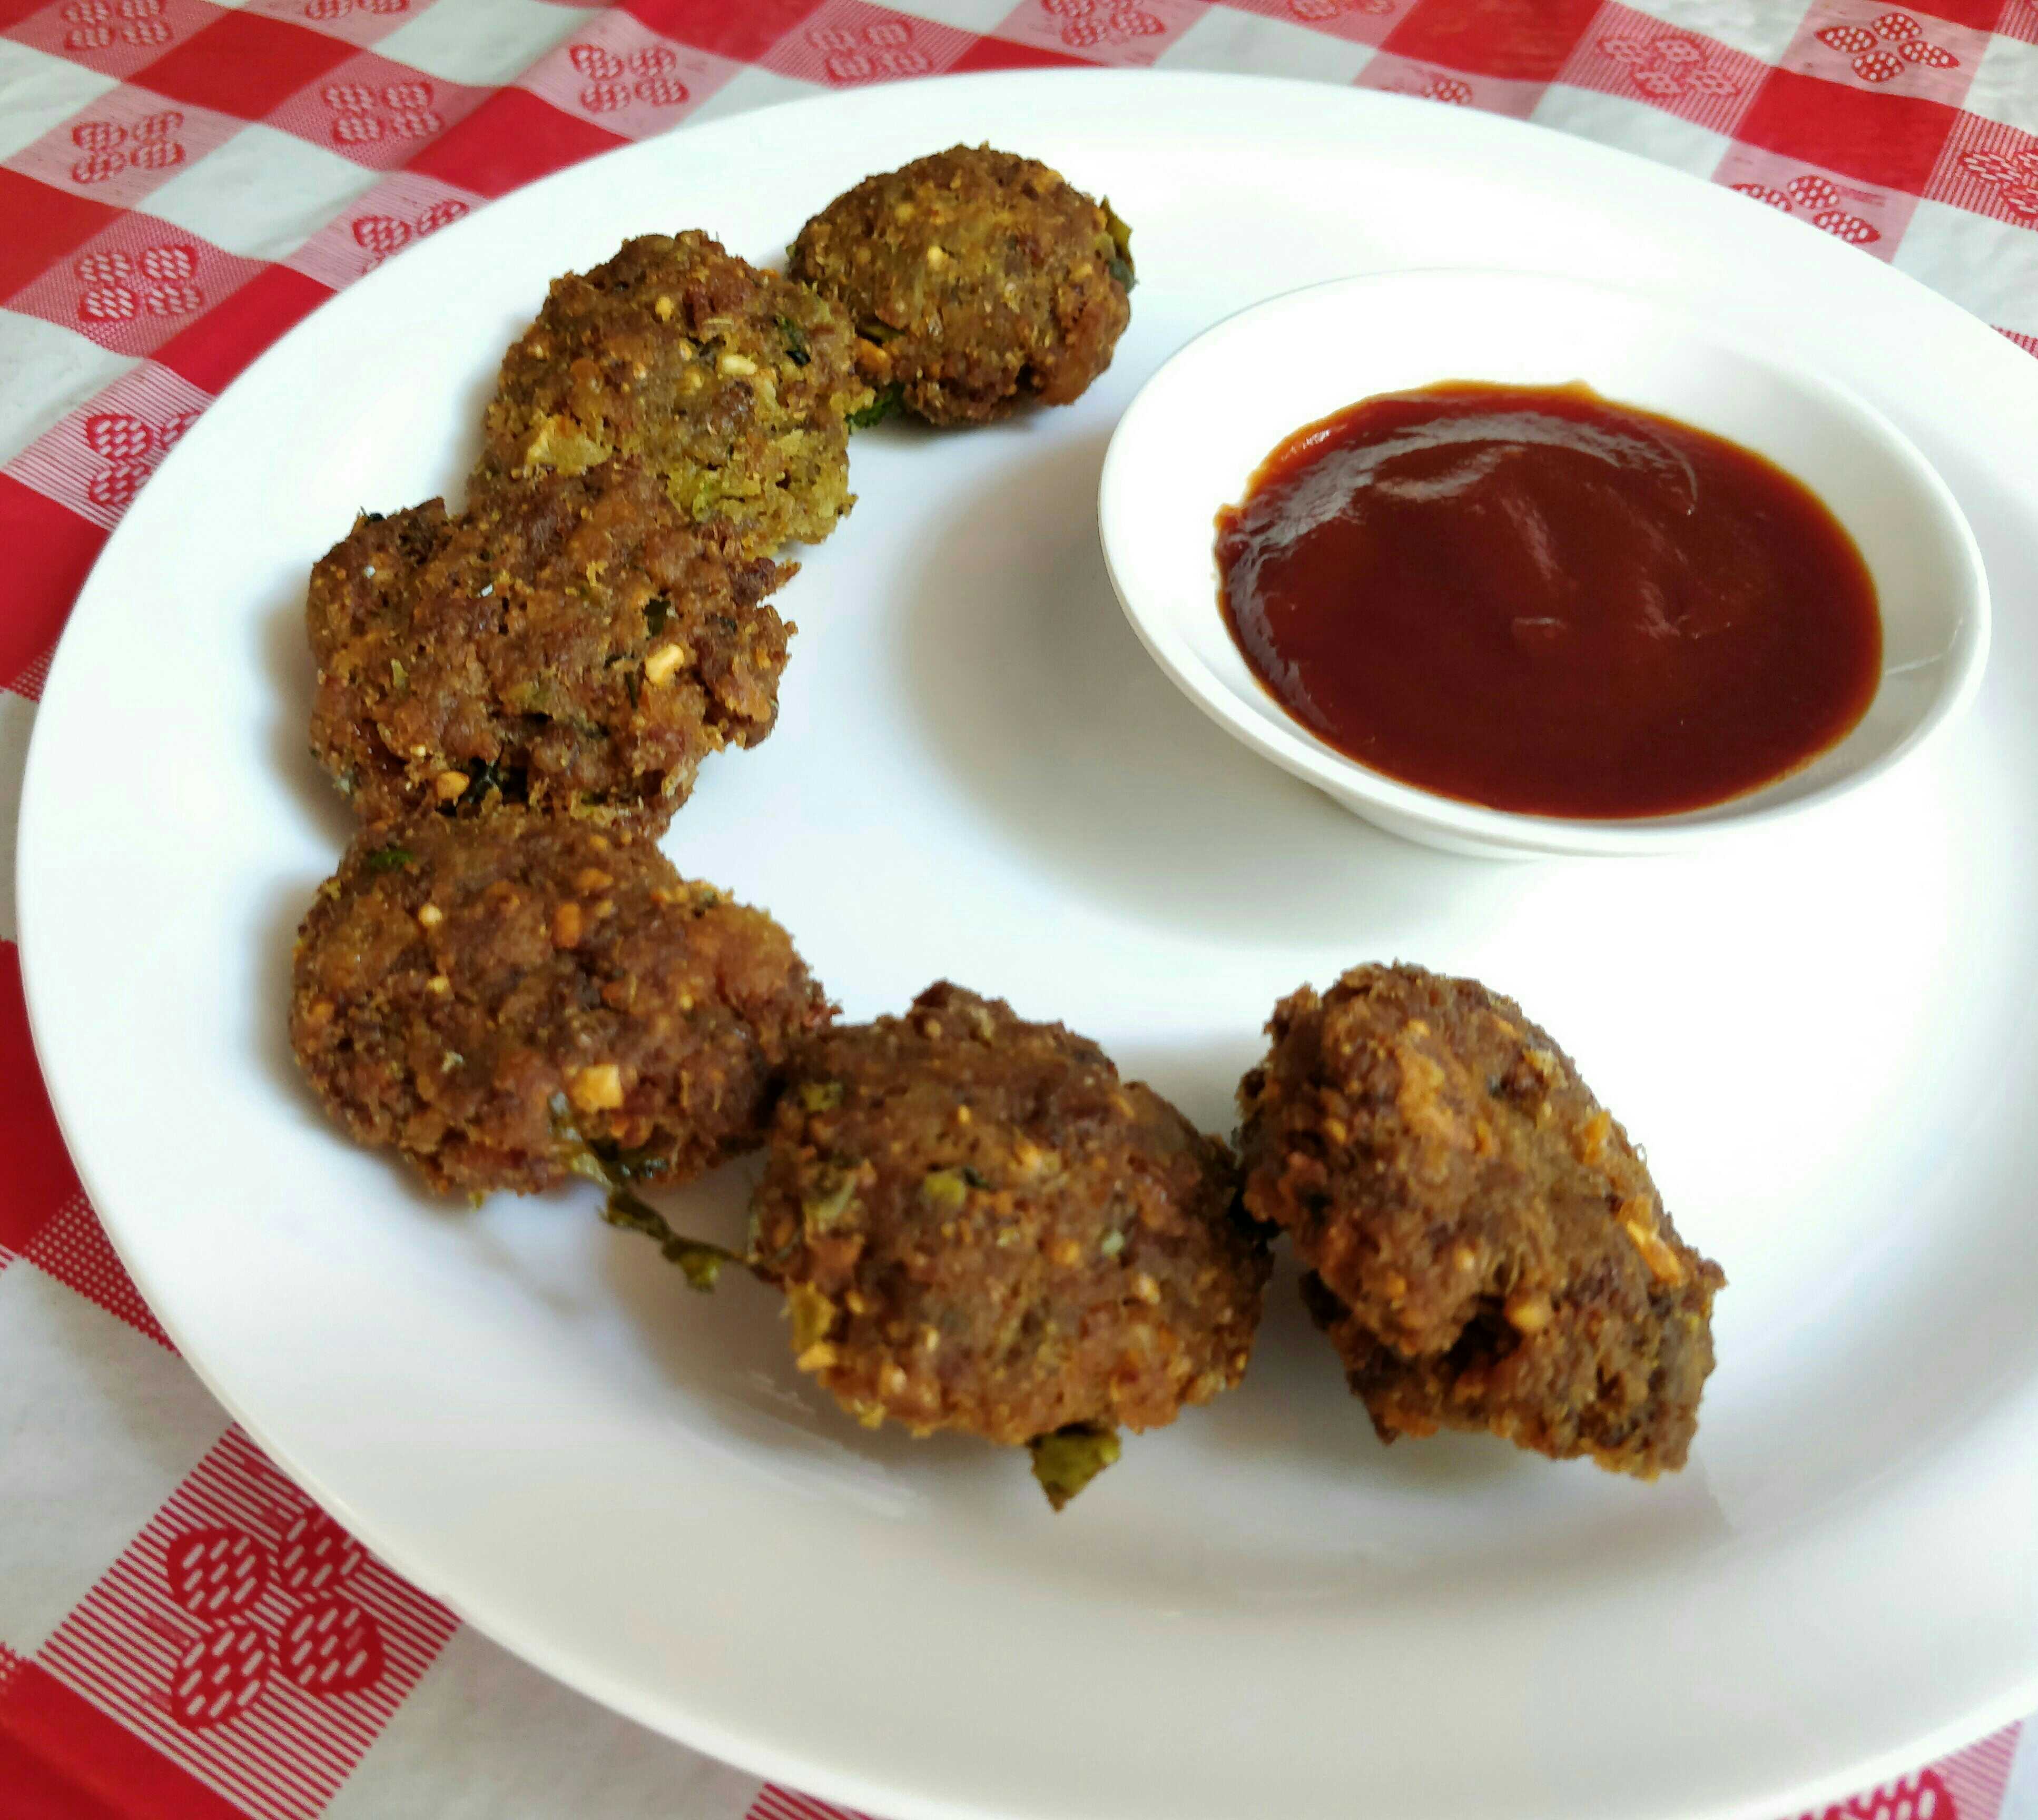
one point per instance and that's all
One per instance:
(1536, 599)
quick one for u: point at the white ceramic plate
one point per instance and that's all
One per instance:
(1190, 443)
(1825, 1041)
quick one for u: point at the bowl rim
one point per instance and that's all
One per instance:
(1361, 789)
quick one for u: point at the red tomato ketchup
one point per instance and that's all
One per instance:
(1531, 598)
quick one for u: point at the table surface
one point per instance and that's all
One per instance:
(182, 1632)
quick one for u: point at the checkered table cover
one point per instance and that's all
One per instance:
(183, 1636)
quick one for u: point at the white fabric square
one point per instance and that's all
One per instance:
(263, 194)
(1633, 126)
(47, 371)
(1223, 39)
(2006, 86)
(756, 88)
(1762, 28)
(1988, 266)
(17, 717)
(482, 43)
(965, 15)
(38, 92)
(2020, 1797)
(100, 1425)
(480, 1723)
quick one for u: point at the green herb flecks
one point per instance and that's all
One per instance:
(389, 859)
(834, 1195)
(1121, 243)
(796, 350)
(820, 1095)
(944, 1190)
(700, 1261)
(1068, 1459)
(885, 404)
(486, 778)
(644, 1165)
(876, 333)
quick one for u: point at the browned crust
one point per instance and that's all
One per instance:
(980, 1227)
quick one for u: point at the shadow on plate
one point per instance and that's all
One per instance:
(286, 661)
(728, 1354)
(1039, 699)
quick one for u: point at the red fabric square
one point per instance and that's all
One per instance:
(2019, 19)
(242, 64)
(1893, 140)
(1003, 54)
(225, 340)
(744, 32)
(512, 138)
(14, 12)
(1521, 40)
(42, 224)
(39, 1178)
(2028, 343)
(1981, 14)
(60, 1758)
(50, 550)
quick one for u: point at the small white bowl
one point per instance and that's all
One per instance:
(1193, 436)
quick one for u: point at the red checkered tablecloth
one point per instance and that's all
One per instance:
(182, 1633)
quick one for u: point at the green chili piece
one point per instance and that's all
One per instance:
(1068, 1459)
(1121, 242)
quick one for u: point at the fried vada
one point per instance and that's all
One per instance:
(1486, 1248)
(976, 280)
(980, 1227)
(501, 998)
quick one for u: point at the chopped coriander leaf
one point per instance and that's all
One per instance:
(884, 405)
